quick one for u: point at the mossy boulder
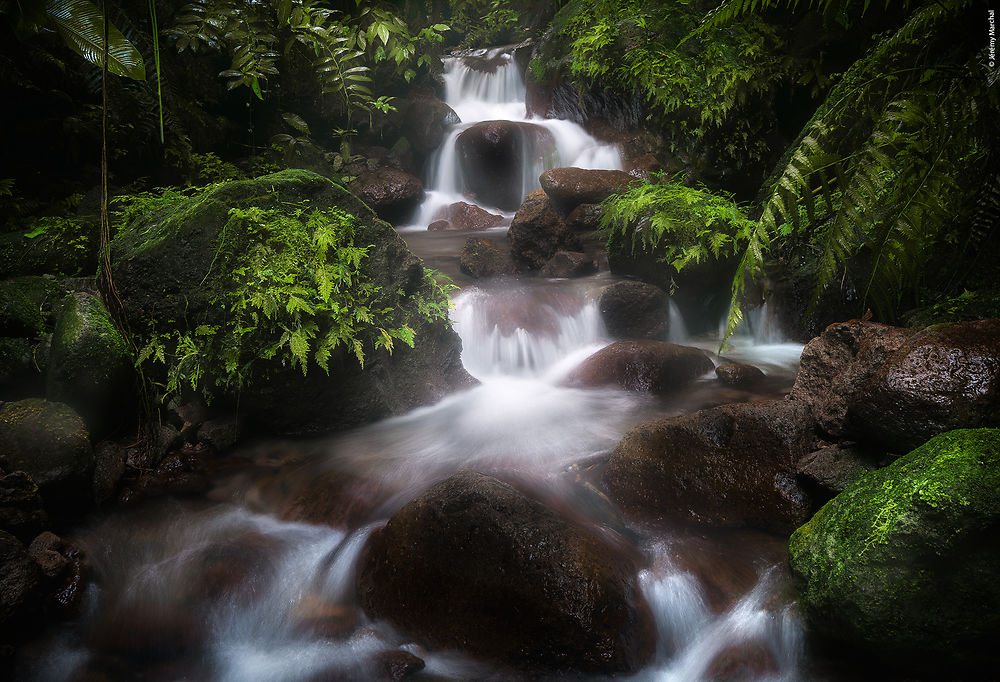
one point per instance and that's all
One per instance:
(247, 251)
(19, 315)
(90, 367)
(905, 563)
(49, 441)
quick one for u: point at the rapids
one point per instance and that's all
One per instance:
(254, 582)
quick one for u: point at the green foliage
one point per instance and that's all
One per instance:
(694, 88)
(877, 174)
(345, 50)
(679, 224)
(81, 25)
(485, 22)
(295, 288)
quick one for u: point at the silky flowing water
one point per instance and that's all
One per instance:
(255, 581)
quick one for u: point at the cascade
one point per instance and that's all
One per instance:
(270, 611)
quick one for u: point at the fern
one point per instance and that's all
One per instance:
(882, 153)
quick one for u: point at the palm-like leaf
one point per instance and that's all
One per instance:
(81, 25)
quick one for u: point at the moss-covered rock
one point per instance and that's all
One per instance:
(259, 285)
(90, 367)
(50, 442)
(905, 563)
(19, 315)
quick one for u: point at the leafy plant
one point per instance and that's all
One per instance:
(885, 156)
(294, 287)
(679, 224)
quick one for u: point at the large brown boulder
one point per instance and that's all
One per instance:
(730, 465)
(481, 258)
(570, 187)
(466, 217)
(642, 365)
(835, 365)
(538, 232)
(392, 193)
(474, 565)
(635, 310)
(944, 377)
(493, 154)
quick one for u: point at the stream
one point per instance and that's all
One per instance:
(255, 580)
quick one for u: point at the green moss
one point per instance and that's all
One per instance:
(52, 245)
(906, 559)
(273, 272)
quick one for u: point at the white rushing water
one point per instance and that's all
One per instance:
(478, 96)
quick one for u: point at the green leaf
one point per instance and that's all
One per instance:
(255, 86)
(297, 122)
(81, 25)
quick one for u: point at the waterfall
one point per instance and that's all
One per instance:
(477, 95)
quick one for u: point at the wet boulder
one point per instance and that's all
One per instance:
(425, 122)
(178, 264)
(566, 264)
(474, 565)
(392, 193)
(739, 375)
(465, 217)
(635, 310)
(538, 232)
(570, 187)
(942, 378)
(481, 258)
(49, 441)
(835, 365)
(493, 155)
(731, 465)
(90, 367)
(642, 365)
(905, 563)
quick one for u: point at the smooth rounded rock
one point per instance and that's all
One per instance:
(635, 310)
(642, 365)
(465, 217)
(570, 187)
(493, 154)
(538, 232)
(474, 565)
(565, 264)
(740, 375)
(392, 193)
(481, 258)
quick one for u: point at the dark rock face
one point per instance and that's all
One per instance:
(425, 122)
(492, 155)
(90, 367)
(942, 378)
(466, 217)
(904, 563)
(832, 469)
(21, 510)
(160, 266)
(835, 366)
(48, 441)
(568, 264)
(736, 374)
(642, 365)
(481, 258)
(537, 232)
(473, 564)
(570, 187)
(19, 581)
(392, 193)
(635, 310)
(584, 218)
(730, 465)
